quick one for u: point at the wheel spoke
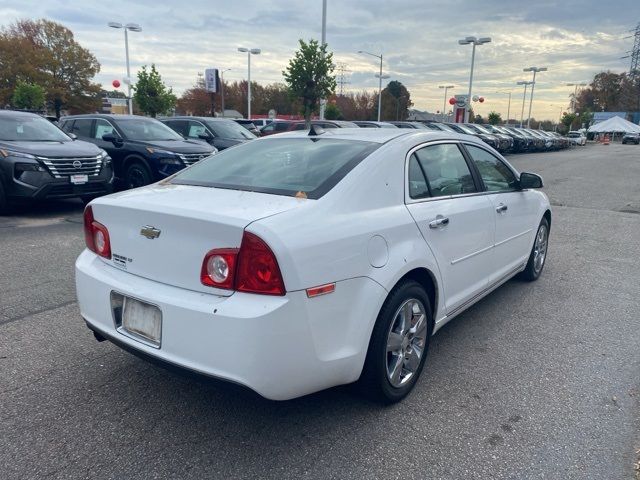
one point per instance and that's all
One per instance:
(396, 371)
(420, 326)
(394, 342)
(412, 363)
(407, 315)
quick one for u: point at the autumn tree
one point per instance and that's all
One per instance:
(195, 101)
(396, 101)
(151, 94)
(45, 53)
(28, 96)
(309, 76)
(332, 112)
(494, 118)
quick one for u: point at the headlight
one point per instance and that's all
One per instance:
(171, 161)
(157, 151)
(10, 153)
(103, 154)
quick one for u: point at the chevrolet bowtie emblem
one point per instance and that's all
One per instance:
(150, 232)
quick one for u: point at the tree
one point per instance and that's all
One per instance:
(46, 53)
(478, 119)
(195, 101)
(396, 101)
(332, 112)
(567, 120)
(151, 94)
(28, 96)
(309, 76)
(494, 118)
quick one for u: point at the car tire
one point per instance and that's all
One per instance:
(4, 203)
(380, 381)
(137, 175)
(538, 255)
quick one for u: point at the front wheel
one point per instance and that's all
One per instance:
(4, 203)
(538, 254)
(137, 175)
(399, 344)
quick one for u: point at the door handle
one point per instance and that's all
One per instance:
(440, 221)
(501, 208)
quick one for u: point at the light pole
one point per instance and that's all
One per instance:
(524, 97)
(575, 92)
(398, 105)
(323, 102)
(508, 105)
(249, 52)
(134, 27)
(380, 76)
(474, 41)
(533, 86)
(222, 88)
(444, 104)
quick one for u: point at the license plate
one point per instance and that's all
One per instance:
(142, 319)
(79, 179)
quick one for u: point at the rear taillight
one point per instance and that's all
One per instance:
(252, 269)
(96, 235)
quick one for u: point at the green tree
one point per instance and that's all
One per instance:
(47, 54)
(396, 101)
(567, 120)
(151, 94)
(309, 76)
(477, 119)
(494, 118)
(332, 112)
(28, 96)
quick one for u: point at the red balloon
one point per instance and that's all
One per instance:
(452, 101)
(115, 83)
(481, 99)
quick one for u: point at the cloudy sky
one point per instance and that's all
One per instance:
(418, 39)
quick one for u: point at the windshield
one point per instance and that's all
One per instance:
(304, 167)
(230, 129)
(27, 128)
(146, 129)
(466, 129)
(441, 126)
(483, 129)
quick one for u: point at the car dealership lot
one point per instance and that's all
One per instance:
(536, 381)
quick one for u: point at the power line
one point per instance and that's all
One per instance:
(342, 75)
(635, 54)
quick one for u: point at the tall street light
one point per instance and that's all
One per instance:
(508, 105)
(575, 92)
(222, 87)
(134, 27)
(524, 97)
(323, 102)
(249, 52)
(444, 104)
(474, 41)
(533, 86)
(380, 77)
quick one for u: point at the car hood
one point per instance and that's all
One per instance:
(178, 146)
(76, 148)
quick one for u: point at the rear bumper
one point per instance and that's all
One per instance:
(280, 347)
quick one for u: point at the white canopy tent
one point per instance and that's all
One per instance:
(615, 125)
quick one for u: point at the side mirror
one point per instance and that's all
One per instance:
(72, 136)
(110, 137)
(530, 180)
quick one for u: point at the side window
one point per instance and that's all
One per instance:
(196, 129)
(497, 177)
(82, 127)
(281, 126)
(299, 126)
(66, 126)
(177, 125)
(446, 170)
(103, 127)
(418, 187)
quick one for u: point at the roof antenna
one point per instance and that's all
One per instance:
(316, 130)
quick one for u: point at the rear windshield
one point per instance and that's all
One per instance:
(304, 167)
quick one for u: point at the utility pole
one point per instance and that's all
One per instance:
(341, 80)
(323, 102)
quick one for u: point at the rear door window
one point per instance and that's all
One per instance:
(82, 127)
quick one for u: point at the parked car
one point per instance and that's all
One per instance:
(372, 124)
(521, 143)
(248, 124)
(39, 161)
(143, 150)
(547, 143)
(277, 126)
(577, 138)
(306, 260)
(631, 138)
(491, 140)
(415, 125)
(261, 122)
(505, 142)
(564, 141)
(281, 126)
(220, 133)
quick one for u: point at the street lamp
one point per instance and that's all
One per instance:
(508, 105)
(222, 87)
(134, 27)
(380, 76)
(575, 92)
(533, 86)
(444, 104)
(249, 52)
(474, 41)
(524, 97)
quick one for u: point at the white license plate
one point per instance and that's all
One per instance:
(142, 319)
(79, 179)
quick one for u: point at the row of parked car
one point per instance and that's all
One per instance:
(88, 156)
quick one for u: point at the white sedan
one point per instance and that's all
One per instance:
(307, 260)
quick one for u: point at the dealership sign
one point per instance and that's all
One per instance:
(211, 80)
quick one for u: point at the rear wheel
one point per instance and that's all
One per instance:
(4, 203)
(399, 344)
(137, 175)
(538, 255)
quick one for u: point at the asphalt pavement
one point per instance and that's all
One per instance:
(537, 381)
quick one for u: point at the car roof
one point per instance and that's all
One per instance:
(104, 115)
(189, 117)
(377, 135)
(14, 113)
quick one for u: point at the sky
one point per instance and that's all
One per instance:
(418, 40)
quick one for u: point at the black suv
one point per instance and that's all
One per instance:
(143, 150)
(39, 161)
(220, 132)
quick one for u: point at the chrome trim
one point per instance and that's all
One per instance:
(117, 320)
(191, 158)
(467, 257)
(501, 242)
(61, 167)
